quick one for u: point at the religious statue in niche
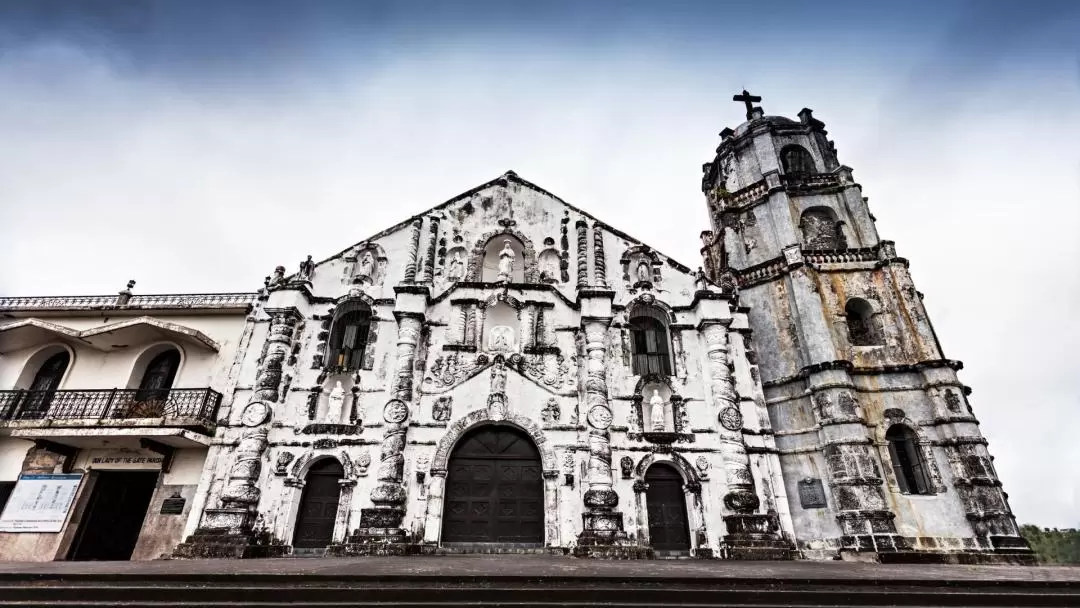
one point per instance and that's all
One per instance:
(307, 268)
(501, 339)
(644, 272)
(456, 269)
(335, 404)
(506, 261)
(656, 411)
(366, 269)
(549, 267)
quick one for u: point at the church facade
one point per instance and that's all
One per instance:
(506, 372)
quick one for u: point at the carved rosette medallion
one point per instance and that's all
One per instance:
(731, 419)
(395, 411)
(600, 417)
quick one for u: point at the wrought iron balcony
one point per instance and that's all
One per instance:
(183, 407)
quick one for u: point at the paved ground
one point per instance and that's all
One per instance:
(536, 567)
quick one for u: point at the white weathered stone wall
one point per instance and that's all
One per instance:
(447, 369)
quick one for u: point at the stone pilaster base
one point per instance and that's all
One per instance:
(228, 533)
(755, 537)
(604, 538)
(209, 543)
(379, 533)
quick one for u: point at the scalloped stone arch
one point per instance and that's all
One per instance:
(303, 464)
(687, 470)
(642, 250)
(650, 378)
(650, 301)
(495, 298)
(528, 254)
(481, 417)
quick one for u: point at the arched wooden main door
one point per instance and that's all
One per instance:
(665, 500)
(318, 505)
(494, 489)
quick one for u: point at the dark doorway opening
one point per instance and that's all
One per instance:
(114, 515)
(319, 505)
(669, 529)
(494, 489)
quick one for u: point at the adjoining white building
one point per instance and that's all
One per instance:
(505, 372)
(107, 408)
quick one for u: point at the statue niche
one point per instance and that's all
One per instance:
(500, 322)
(503, 260)
(549, 263)
(366, 265)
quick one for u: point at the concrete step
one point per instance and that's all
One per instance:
(526, 581)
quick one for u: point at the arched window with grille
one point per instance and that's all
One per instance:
(795, 160)
(349, 337)
(907, 460)
(43, 387)
(159, 376)
(861, 323)
(650, 343)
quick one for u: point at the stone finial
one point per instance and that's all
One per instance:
(806, 116)
(125, 294)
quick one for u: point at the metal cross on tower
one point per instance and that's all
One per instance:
(749, 100)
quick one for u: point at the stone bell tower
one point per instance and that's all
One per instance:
(880, 451)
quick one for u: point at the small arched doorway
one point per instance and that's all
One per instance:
(669, 529)
(318, 505)
(494, 489)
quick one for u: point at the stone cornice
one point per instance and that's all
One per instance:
(849, 367)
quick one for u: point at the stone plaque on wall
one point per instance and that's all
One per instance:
(812, 494)
(173, 505)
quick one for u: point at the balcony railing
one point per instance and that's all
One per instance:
(182, 406)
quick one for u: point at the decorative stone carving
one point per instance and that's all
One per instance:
(551, 413)
(501, 339)
(599, 258)
(440, 410)
(952, 401)
(582, 254)
(395, 411)
(277, 278)
(335, 404)
(731, 419)
(307, 269)
(281, 466)
(703, 464)
(626, 466)
(600, 417)
(363, 462)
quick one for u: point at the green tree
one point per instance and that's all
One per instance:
(1053, 546)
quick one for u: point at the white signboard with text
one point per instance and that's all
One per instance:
(40, 503)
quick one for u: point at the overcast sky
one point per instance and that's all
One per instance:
(193, 147)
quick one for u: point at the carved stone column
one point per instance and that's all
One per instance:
(603, 534)
(414, 251)
(582, 255)
(229, 531)
(432, 246)
(551, 507)
(749, 535)
(599, 261)
(527, 326)
(740, 497)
